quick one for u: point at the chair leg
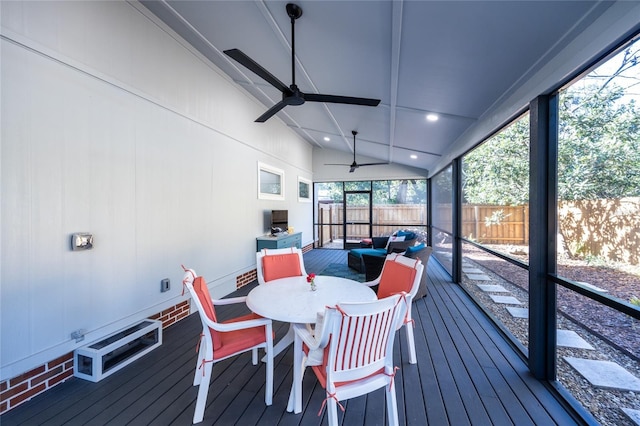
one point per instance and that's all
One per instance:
(293, 392)
(268, 390)
(410, 340)
(392, 405)
(203, 391)
(197, 377)
(332, 412)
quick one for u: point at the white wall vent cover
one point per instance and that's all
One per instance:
(98, 360)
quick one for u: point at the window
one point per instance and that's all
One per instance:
(270, 182)
(396, 204)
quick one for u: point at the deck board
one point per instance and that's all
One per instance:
(466, 374)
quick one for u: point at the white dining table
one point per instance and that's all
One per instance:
(292, 300)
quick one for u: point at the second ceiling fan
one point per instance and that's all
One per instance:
(353, 166)
(292, 95)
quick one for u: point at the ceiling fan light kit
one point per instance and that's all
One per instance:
(291, 95)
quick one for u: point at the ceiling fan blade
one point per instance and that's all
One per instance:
(252, 65)
(315, 97)
(372, 164)
(353, 168)
(271, 112)
(336, 164)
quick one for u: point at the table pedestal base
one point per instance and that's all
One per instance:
(295, 396)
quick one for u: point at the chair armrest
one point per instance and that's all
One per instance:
(307, 337)
(372, 283)
(320, 337)
(229, 301)
(239, 325)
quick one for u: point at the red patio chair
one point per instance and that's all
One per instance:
(272, 264)
(401, 274)
(221, 340)
(357, 339)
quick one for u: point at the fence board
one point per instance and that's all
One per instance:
(608, 228)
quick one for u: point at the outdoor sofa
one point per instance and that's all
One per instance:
(381, 246)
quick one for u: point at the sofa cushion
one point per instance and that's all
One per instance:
(413, 250)
(408, 235)
(371, 251)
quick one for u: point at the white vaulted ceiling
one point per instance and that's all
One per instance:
(462, 60)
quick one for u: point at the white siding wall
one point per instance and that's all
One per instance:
(111, 126)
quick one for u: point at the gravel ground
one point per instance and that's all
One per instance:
(602, 327)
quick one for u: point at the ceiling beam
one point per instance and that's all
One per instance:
(396, 38)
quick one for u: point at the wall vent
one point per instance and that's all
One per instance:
(98, 360)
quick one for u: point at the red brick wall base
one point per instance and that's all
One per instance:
(17, 390)
(172, 314)
(22, 388)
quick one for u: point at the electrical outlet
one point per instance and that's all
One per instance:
(78, 335)
(165, 284)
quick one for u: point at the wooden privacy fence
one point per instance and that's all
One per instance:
(608, 228)
(386, 219)
(488, 224)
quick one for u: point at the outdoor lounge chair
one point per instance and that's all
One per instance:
(381, 246)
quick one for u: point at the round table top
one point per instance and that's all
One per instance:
(291, 299)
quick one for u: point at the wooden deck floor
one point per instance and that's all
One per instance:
(466, 374)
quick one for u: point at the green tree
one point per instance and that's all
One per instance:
(497, 172)
(405, 191)
(599, 149)
(599, 143)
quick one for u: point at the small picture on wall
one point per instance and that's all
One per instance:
(304, 189)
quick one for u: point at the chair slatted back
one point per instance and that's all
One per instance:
(362, 338)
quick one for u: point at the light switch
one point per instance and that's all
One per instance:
(81, 241)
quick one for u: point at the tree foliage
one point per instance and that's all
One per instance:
(403, 191)
(497, 172)
(598, 150)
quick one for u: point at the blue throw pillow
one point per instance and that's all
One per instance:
(408, 235)
(414, 249)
